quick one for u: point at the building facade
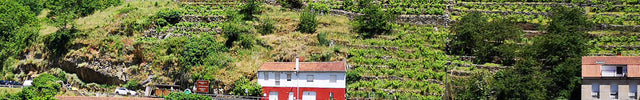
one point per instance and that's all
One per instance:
(303, 80)
(610, 78)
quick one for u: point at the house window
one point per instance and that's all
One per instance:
(613, 71)
(332, 78)
(595, 90)
(266, 75)
(288, 76)
(614, 91)
(277, 78)
(309, 78)
(633, 90)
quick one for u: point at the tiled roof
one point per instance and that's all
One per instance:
(304, 66)
(624, 60)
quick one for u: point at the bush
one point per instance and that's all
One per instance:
(352, 77)
(375, 21)
(56, 42)
(132, 84)
(254, 89)
(44, 88)
(322, 39)
(232, 32)
(170, 15)
(196, 50)
(346, 4)
(320, 7)
(266, 27)
(183, 96)
(308, 21)
(291, 3)
(250, 8)
(247, 40)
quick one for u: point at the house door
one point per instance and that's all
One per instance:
(309, 95)
(291, 96)
(273, 95)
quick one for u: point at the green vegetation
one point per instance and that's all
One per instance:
(183, 96)
(244, 87)
(308, 21)
(44, 87)
(375, 21)
(484, 56)
(491, 41)
(549, 68)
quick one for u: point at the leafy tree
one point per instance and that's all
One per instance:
(254, 89)
(375, 21)
(566, 36)
(487, 40)
(561, 49)
(308, 21)
(525, 81)
(250, 8)
(18, 29)
(464, 31)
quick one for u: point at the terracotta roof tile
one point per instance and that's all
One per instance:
(304, 66)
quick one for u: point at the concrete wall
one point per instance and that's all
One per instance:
(605, 89)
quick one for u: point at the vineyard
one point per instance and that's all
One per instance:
(223, 41)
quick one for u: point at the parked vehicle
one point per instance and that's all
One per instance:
(124, 91)
(12, 83)
(3, 82)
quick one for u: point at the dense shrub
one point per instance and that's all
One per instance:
(291, 3)
(44, 88)
(347, 4)
(172, 16)
(319, 7)
(266, 27)
(352, 77)
(239, 87)
(308, 21)
(132, 84)
(57, 42)
(198, 49)
(233, 32)
(183, 96)
(322, 39)
(375, 21)
(250, 8)
(35, 5)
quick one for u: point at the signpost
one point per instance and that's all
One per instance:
(202, 86)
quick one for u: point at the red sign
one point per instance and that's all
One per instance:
(202, 86)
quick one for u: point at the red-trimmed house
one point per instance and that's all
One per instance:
(303, 80)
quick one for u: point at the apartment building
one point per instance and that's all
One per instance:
(610, 77)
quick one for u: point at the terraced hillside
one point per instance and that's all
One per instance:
(179, 41)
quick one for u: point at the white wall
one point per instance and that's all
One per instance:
(320, 79)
